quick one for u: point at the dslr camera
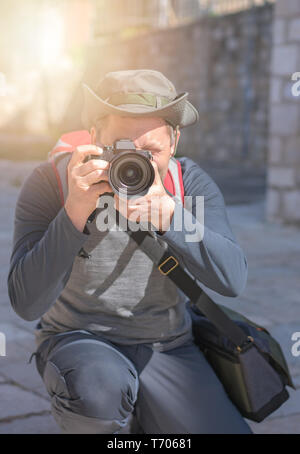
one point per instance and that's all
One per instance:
(130, 172)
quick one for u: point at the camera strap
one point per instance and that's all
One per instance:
(168, 265)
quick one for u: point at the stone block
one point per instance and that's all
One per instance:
(294, 29)
(285, 119)
(285, 60)
(291, 151)
(274, 154)
(275, 90)
(279, 31)
(272, 203)
(287, 8)
(281, 177)
(291, 205)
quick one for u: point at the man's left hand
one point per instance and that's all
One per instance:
(156, 207)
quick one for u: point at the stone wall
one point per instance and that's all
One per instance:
(237, 100)
(283, 195)
(223, 62)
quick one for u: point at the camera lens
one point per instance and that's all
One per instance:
(131, 174)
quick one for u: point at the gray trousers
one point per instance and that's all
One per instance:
(96, 385)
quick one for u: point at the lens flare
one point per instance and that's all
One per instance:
(51, 37)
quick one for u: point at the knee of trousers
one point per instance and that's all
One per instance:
(98, 384)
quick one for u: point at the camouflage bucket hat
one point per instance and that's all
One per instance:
(142, 93)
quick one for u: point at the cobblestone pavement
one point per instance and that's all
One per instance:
(272, 298)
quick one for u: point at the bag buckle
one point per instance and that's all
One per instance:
(250, 340)
(169, 264)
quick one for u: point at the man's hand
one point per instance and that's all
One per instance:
(156, 207)
(83, 183)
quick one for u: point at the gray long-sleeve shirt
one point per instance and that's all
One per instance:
(118, 293)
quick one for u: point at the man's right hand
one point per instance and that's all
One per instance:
(84, 189)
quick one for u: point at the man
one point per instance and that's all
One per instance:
(114, 335)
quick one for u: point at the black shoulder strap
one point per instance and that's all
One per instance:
(169, 266)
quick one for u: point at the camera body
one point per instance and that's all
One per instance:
(130, 172)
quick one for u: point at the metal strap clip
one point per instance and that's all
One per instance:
(168, 267)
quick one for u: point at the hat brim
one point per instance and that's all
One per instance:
(178, 112)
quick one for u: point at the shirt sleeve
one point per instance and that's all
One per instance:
(45, 244)
(201, 236)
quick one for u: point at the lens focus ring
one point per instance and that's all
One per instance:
(131, 174)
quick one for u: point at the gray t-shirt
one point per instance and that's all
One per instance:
(113, 289)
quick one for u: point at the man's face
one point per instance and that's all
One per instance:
(150, 134)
